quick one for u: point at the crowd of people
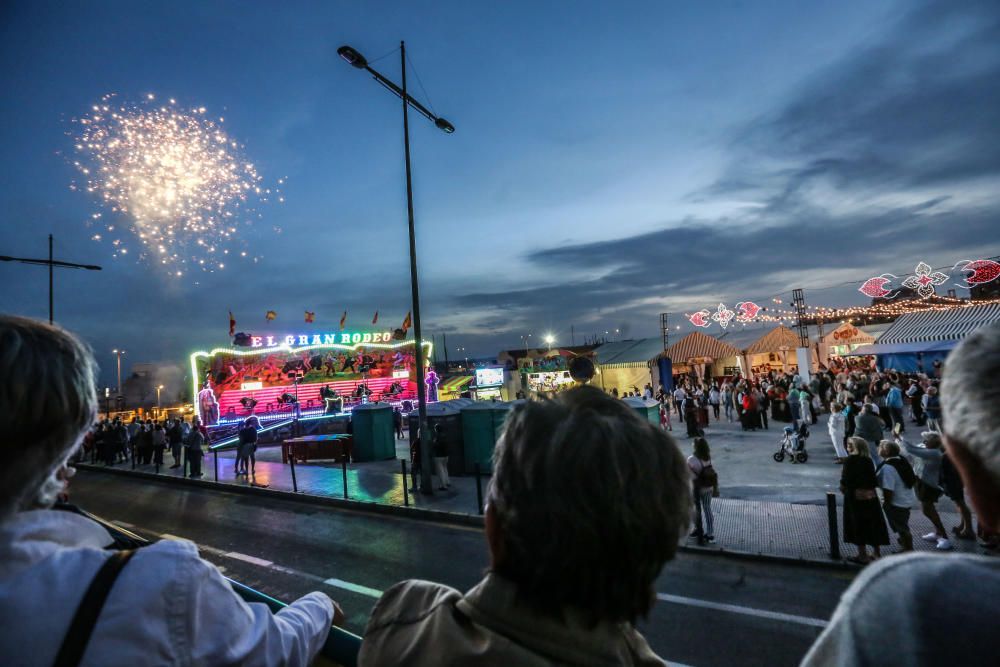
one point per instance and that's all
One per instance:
(113, 441)
(572, 564)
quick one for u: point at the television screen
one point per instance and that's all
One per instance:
(489, 377)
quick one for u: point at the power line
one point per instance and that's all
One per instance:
(421, 84)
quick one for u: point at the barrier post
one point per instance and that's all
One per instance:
(215, 463)
(344, 468)
(479, 490)
(291, 461)
(831, 519)
(132, 453)
(406, 487)
(184, 462)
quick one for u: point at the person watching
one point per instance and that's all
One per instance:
(167, 605)
(929, 608)
(572, 563)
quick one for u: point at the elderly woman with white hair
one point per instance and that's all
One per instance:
(65, 598)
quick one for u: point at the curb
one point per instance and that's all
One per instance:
(436, 516)
(421, 514)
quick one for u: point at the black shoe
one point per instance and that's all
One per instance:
(710, 538)
(176, 465)
(694, 533)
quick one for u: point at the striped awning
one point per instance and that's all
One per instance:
(695, 345)
(776, 339)
(933, 325)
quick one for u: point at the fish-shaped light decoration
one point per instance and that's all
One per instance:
(700, 318)
(747, 311)
(875, 287)
(981, 271)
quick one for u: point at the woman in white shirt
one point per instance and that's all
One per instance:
(166, 604)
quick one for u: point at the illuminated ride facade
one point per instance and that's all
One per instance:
(305, 376)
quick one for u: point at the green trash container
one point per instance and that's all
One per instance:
(481, 425)
(648, 409)
(374, 433)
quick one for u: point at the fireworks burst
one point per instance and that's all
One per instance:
(182, 185)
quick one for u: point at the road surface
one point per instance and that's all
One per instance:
(711, 610)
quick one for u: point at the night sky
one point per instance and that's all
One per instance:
(611, 161)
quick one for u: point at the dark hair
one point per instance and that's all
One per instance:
(591, 502)
(702, 450)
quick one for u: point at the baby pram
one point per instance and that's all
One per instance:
(793, 445)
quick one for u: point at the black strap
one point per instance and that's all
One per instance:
(82, 625)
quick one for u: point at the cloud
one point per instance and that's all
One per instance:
(885, 157)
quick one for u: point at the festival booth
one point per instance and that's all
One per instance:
(841, 341)
(705, 356)
(489, 384)
(374, 432)
(762, 349)
(916, 340)
(626, 364)
(540, 370)
(279, 378)
(453, 387)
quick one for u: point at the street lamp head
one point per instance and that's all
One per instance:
(444, 125)
(549, 338)
(352, 57)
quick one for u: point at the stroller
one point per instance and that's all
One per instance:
(794, 445)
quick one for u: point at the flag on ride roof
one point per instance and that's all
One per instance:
(343, 320)
(407, 323)
(232, 324)
(375, 319)
(270, 315)
(310, 316)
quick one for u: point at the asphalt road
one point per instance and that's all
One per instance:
(712, 610)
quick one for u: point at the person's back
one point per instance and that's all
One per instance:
(916, 610)
(868, 426)
(531, 609)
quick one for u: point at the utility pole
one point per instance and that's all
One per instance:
(51, 263)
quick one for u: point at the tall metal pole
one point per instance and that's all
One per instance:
(51, 300)
(426, 485)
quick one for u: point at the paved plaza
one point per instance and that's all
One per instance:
(765, 508)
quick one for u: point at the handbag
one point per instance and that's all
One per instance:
(865, 494)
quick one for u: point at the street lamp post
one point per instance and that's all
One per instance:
(159, 410)
(51, 263)
(118, 354)
(355, 59)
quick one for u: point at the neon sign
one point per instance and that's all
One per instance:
(321, 339)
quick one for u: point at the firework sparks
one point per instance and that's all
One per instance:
(180, 183)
